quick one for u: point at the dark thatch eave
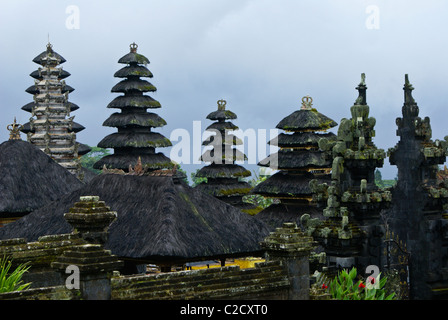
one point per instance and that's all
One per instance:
(134, 101)
(29, 178)
(133, 58)
(284, 184)
(302, 120)
(134, 119)
(138, 85)
(276, 214)
(135, 140)
(222, 190)
(83, 149)
(76, 127)
(221, 115)
(29, 106)
(221, 126)
(228, 155)
(228, 139)
(223, 171)
(34, 90)
(122, 161)
(157, 221)
(300, 139)
(298, 159)
(133, 71)
(63, 74)
(38, 59)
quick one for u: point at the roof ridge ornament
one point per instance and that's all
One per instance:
(14, 129)
(222, 104)
(307, 103)
(362, 100)
(408, 99)
(133, 46)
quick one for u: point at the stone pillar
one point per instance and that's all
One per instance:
(88, 267)
(291, 246)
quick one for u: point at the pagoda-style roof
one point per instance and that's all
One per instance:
(134, 101)
(306, 119)
(223, 171)
(223, 176)
(158, 220)
(30, 179)
(300, 139)
(134, 139)
(296, 160)
(40, 59)
(284, 184)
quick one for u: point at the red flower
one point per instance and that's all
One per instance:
(324, 286)
(361, 285)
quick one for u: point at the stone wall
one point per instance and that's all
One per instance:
(268, 280)
(285, 274)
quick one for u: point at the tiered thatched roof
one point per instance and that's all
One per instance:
(134, 138)
(159, 219)
(30, 179)
(299, 161)
(223, 175)
(52, 123)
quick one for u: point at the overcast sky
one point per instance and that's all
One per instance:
(261, 56)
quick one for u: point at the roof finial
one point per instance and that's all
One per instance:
(133, 47)
(408, 99)
(14, 129)
(307, 103)
(362, 88)
(222, 104)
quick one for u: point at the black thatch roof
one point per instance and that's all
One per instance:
(223, 171)
(225, 190)
(29, 106)
(221, 115)
(134, 119)
(300, 139)
(134, 101)
(134, 139)
(302, 120)
(62, 74)
(137, 85)
(158, 220)
(284, 184)
(122, 161)
(38, 59)
(297, 159)
(30, 179)
(133, 58)
(276, 214)
(34, 89)
(133, 71)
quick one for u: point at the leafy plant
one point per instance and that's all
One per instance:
(12, 281)
(345, 287)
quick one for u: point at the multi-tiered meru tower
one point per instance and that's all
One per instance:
(298, 161)
(51, 128)
(134, 139)
(223, 175)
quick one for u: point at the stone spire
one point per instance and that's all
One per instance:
(351, 232)
(420, 199)
(135, 138)
(14, 129)
(51, 127)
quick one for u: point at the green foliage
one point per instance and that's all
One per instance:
(197, 180)
(383, 183)
(256, 199)
(89, 159)
(345, 287)
(12, 281)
